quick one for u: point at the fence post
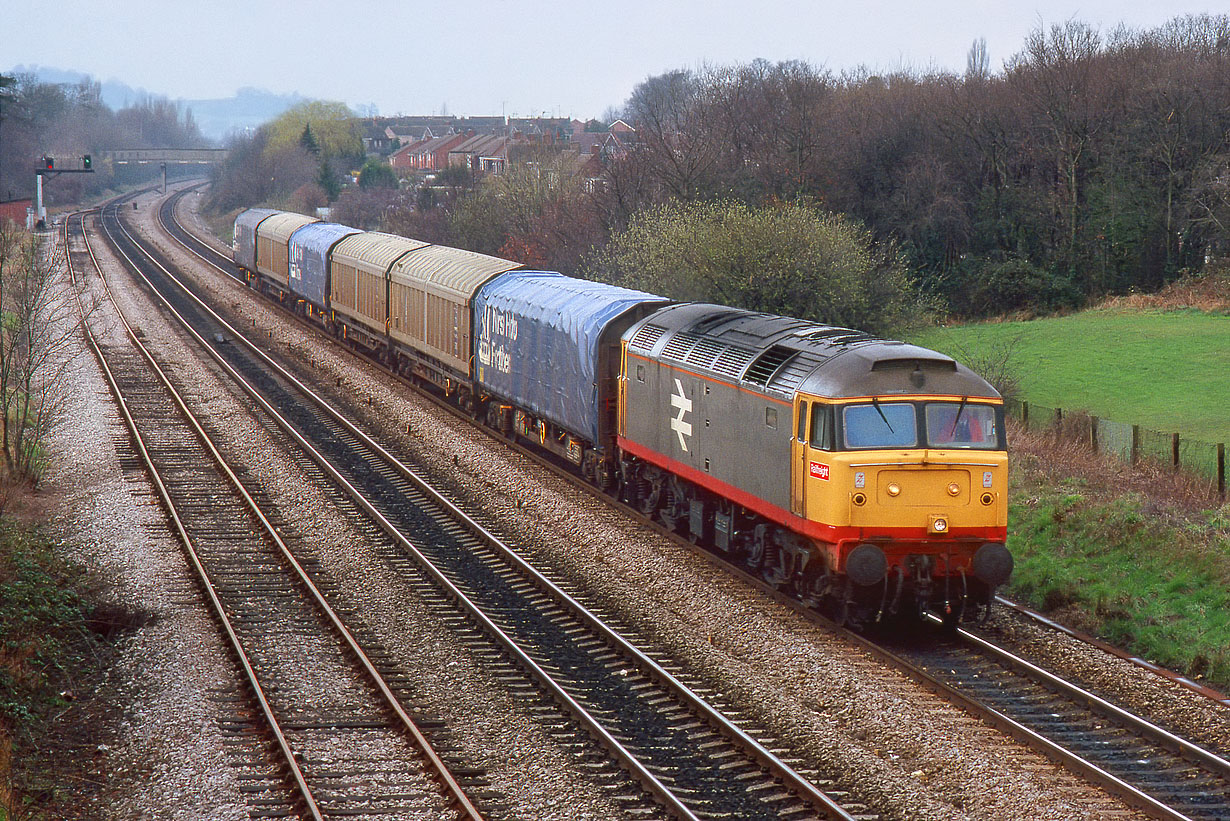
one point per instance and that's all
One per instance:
(1058, 418)
(1093, 433)
(1221, 469)
(1025, 415)
(1135, 444)
(1174, 451)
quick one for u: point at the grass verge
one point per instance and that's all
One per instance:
(1136, 555)
(50, 635)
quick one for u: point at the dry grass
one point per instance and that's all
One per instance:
(7, 802)
(1066, 454)
(1208, 293)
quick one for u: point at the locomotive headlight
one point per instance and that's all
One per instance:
(939, 524)
(954, 489)
(893, 489)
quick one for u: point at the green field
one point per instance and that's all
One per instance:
(1168, 371)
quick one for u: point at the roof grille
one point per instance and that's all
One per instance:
(679, 345)
(791, 374)
(647, 336)
(838, 336)
(732, 361)
(704, 352)
(762, 370)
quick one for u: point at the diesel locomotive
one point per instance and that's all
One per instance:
(863, 475)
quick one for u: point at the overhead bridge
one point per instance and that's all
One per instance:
(184, 156)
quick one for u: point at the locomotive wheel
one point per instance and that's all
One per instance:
(772, 572)
(755, 554)
(816, 584)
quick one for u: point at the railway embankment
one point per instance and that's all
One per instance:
(57, 633)
(1136, 554)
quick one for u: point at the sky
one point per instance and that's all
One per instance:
(524, 58)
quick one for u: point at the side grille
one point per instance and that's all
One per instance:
(646, 337)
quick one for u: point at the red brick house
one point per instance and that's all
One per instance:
(430, 154)
(469, 154)
(15, 210)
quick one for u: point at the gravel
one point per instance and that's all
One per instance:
(911, 754)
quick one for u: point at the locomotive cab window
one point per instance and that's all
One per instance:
(880, 425)
(802, 417)
(961, 425)
(821, 426)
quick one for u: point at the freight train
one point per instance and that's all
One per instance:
(862, 475)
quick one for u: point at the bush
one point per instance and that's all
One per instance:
(784, 259)
(980, 287)
(377, 174)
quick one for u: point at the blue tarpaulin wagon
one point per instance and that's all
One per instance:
(309, 260)
(549, 346)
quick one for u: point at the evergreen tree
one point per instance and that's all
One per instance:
(327, 180)
(308, 140)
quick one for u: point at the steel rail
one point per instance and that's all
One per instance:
(1030, 738)
(177, 523)
(459, 799)
(1183, 681)
(651, 782)
(1162, 737)
(792, 779)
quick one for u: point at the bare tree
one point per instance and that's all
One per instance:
(38, 322)
(673, 143)
(977, 62)
(1057, 80)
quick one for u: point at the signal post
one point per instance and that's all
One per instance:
(52, 167)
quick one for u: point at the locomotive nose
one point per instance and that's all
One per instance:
(992, 564)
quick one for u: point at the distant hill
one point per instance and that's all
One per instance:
(249, 108)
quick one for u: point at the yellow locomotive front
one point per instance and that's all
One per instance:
(905, 498)
(861, 474)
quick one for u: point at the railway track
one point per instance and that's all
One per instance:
(687, 756)
(339, 739)
(1148, 767)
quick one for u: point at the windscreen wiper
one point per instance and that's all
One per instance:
(875, 403)
(964, 399)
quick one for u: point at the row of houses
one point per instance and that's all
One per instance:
(488, 153)
(381, 135)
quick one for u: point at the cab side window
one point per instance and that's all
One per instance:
(821, 426)
(802, 416)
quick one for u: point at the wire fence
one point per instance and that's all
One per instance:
(1131, 443)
